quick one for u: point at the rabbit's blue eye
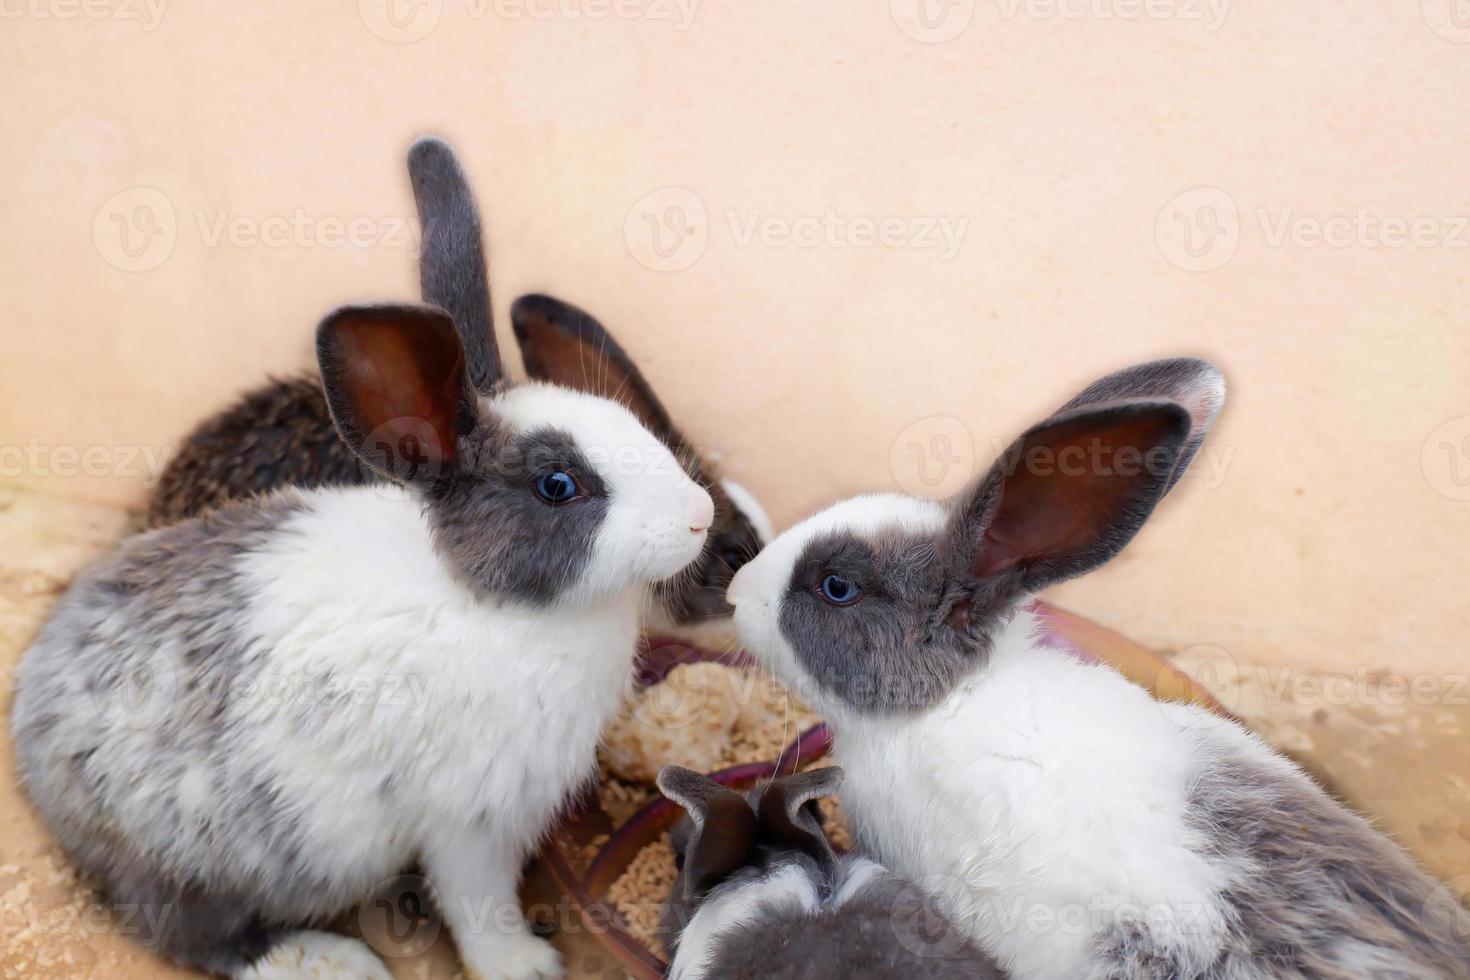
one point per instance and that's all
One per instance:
(556, 487)
(838, 590)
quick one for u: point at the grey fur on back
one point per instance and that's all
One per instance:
(86, 752)
(1326, 898)
(452, 272)
(886, 930)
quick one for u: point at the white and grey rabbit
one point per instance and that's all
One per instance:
(1075, 827)
(251, 718)
(761, 893)
(281, 433)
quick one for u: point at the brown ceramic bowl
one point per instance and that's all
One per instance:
(587, 879)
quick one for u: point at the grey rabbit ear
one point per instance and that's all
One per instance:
(566, 346)
(395, 383)
(1195, 384)
(788, 819)
(1067, 496)
(452, 270)
(724, 828)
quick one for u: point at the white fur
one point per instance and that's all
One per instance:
(791, 889)
(988, 799)
(318, 956)
(470, 719)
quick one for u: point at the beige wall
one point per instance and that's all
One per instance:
(1327, 527)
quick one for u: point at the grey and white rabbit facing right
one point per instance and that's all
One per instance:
(1076, 829)
(761, 893)
(281, 434)
(339, 683)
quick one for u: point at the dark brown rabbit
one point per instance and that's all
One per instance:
(281, 434)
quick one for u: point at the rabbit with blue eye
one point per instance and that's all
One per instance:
(761, 894)
(339, 683)
(281, 434)
(1073, 827)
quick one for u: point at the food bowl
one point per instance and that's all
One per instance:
(590, 850)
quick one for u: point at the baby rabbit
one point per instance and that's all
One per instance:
(281, 434)
(760, 893)
(336, 683)
(1074, 827)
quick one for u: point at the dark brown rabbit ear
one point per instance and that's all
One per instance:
(724, 828)
(1195, 384)
(1070, 493)
(787, 816)
(395, 381)
(452, 271)
(562, 344)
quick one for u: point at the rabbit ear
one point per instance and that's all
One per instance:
(452, 272)
(787, 816)
(562, 344)
(724, 828)
(1068, 495)
(1195, 384)
(395, 381)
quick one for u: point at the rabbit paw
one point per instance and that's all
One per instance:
(317, 956)
(521, 957)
